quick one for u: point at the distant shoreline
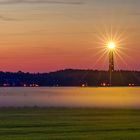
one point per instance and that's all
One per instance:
(70, 78)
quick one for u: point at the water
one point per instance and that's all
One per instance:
(70, 97)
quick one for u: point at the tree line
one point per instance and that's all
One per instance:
(70, 77)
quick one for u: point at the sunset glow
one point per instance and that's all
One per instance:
(51, 35)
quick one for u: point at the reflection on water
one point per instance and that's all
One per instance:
(71, 97)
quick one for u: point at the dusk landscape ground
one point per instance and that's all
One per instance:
(69, 70)
(69, 124)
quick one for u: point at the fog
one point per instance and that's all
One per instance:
(71, 97)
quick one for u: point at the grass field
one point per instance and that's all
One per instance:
(69, 124)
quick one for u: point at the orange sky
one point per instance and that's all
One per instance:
(47, 35)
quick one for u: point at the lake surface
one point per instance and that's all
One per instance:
(71, 97)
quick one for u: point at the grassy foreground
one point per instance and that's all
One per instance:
(69, 124)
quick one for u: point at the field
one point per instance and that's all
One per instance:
(69, 124)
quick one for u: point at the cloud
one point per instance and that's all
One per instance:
(77, 2)
(134, 14)
(4, 18)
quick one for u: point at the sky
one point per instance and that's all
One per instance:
(49, 35)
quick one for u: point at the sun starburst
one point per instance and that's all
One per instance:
(109, 39)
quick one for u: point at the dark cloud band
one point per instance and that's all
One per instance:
(42, 1)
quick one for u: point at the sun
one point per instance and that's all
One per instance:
(111, 45)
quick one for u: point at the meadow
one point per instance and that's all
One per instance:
(69, 124)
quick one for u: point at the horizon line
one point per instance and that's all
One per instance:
(72, 69)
